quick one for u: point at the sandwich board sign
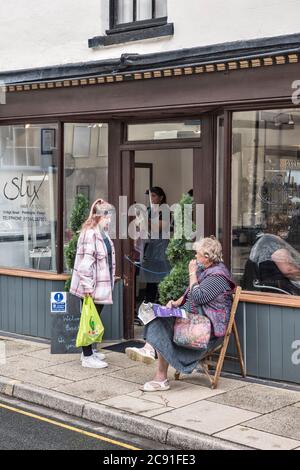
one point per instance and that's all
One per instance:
(58, 302)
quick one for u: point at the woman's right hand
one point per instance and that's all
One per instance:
(171, 304)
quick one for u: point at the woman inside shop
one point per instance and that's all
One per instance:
(94, 270)
(155, 265)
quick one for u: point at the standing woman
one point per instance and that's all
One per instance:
(94, 270)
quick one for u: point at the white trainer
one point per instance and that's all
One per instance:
(96, 354)
(93, 363)
(144, 355)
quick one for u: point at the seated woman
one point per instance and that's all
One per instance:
(210, 289)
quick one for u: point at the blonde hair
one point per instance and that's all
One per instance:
(97, 211)
(211, 248)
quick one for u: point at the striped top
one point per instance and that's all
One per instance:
(202, 294)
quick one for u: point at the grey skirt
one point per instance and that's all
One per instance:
(159, 333)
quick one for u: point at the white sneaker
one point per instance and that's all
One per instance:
(93, 363)
(141, 354)
(99, 355)
(96, 354)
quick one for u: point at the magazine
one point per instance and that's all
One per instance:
(148, 312)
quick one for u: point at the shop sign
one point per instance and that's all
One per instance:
(286, 164)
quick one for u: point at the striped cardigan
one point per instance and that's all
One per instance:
(91, 269)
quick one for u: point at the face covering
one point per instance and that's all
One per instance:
(104, 223)
(200, 266)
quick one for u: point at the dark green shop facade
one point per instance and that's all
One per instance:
(230, 113)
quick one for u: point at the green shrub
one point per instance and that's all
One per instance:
(174, 284)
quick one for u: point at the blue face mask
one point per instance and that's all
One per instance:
(200, 266)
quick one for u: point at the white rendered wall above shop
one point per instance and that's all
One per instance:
(42, 33)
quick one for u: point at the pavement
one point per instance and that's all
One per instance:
(237, 415)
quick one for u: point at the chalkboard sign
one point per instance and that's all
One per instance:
(65, 327)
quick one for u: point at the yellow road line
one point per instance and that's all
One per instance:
(70, 428)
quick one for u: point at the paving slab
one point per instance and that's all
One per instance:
(53, 358)
(137, 373)
(118, 359)
(74, 371)
(16, 348)
(22, 363)
(224, 384)
(37, 378)
(257, 439)
(99, 388)
(207, 417)
(137, 405)
(180, 394)
(284, 422)
(258, 398)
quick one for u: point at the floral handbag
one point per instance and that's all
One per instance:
(194, 331)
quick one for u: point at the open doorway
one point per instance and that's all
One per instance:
(172, 171)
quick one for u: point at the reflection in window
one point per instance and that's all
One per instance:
(86, 165)
(28, 189)
(266, 200)
(165, 130)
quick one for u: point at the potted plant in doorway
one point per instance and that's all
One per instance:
(174, 284)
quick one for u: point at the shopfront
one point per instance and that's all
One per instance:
(225, 126)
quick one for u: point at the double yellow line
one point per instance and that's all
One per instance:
(70, 428)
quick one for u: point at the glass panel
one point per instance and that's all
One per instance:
(28, 191)
(144, 10)
(266, 200)
(86, 165)
(164, 131)
(161, 8)
(125, 11)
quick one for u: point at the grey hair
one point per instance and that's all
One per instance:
(211, 247)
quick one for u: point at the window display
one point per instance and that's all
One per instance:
(28, 187)
(266, 200)
(86, 165)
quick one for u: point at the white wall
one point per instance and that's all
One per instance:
(40, 33)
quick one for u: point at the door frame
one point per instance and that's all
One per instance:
(204, 185)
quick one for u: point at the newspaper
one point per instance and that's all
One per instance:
(148, 312)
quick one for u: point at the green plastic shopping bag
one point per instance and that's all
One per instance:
(91, 328)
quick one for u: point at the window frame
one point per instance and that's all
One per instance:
(115, 27)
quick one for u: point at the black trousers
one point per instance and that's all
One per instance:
(151, 292)
(88, 350)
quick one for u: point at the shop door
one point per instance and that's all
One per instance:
(200, 180)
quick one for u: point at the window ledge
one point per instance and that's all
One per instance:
(134, 35)
(267, 298)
